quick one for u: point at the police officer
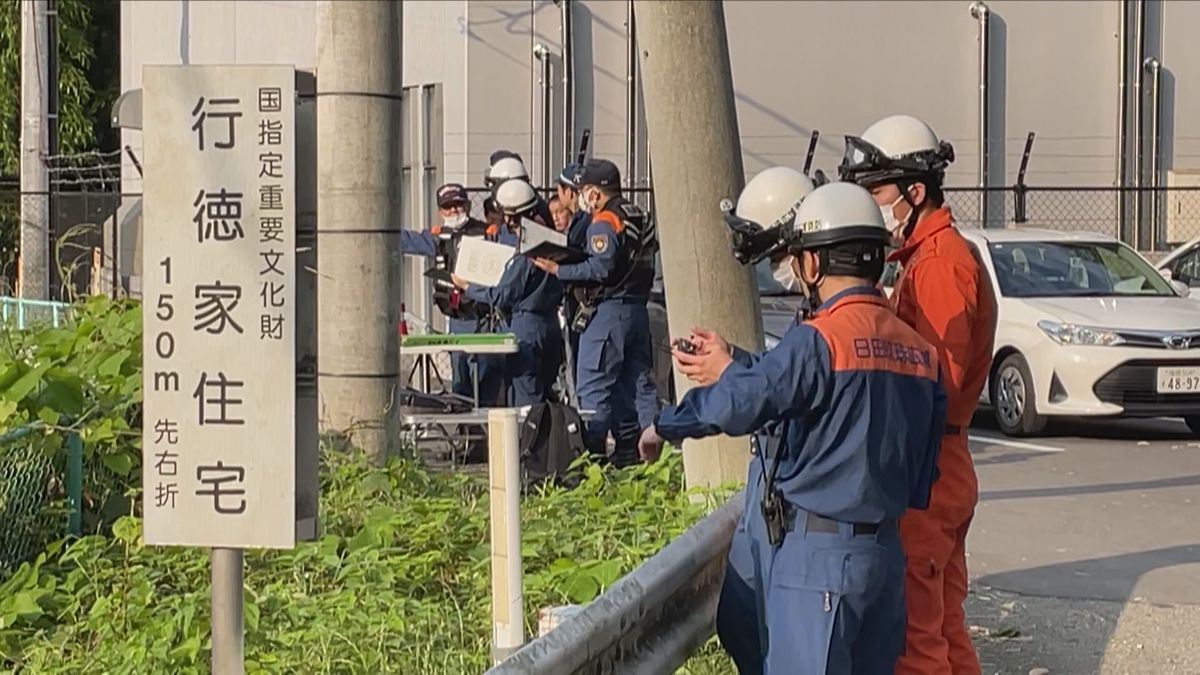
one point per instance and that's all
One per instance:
(464, 316)
(529, 299)
(612, 286)
(858, 412)
(765, 211)
(646, 398)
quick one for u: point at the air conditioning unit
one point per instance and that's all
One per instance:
(1182, 205)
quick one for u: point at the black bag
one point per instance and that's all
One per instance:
(551, 438)
(413, 402)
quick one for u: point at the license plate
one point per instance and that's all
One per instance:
(1178, 380)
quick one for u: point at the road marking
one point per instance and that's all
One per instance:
(1015, 444)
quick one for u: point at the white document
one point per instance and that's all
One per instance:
(481, 261)
(533, 234)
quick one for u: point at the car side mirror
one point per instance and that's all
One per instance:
(1181, 288)
(1166, 273)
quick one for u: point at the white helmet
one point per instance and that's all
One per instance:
(504, 169)
(838, 213)
(515, 196)
(894, 149)
(760, 222)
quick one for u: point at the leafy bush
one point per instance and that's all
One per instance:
(83, 377)
(399, 582)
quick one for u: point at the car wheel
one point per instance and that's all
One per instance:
(1193, 422)
(1013, 398)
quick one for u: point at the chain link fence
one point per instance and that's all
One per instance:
(1168, 216)
(40, 495)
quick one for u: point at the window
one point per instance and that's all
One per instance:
(1038, 269)
(1186, 268)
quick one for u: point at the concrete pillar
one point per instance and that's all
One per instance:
(692, 129)
(34, 266)
(358, 215)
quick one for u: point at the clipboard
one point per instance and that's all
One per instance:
(562, 255)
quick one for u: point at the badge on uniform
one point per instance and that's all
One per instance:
(599, 243)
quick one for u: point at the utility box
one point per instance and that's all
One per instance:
(1182, 205)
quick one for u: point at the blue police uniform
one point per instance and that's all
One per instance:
(461, 318)
(614, 346)
(646, 398)
(858, 411)
(529, 298)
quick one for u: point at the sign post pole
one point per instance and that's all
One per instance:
(227, 629)
(504, 469)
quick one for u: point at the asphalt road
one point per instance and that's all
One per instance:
(1086, 546)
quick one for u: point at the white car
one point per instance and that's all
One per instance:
(1182, 266)
(1086, 327)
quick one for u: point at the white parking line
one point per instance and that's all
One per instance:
(1015, 444)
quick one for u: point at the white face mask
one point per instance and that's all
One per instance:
(785, 275)
(454, 222)
(892, 223)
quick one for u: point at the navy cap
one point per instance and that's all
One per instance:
(570, 175)
(601, 173)
(452, 193)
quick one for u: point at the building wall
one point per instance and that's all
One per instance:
(797, 66)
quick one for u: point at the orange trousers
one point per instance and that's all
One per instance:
(935, 581)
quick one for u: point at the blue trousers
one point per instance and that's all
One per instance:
(533, 369)
(491, 369)
(646, 401)
(614, 352)
(741, 626)
(834, 602)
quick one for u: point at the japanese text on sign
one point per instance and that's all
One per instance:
(219, 440)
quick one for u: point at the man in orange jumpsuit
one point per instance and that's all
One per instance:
(943, 292)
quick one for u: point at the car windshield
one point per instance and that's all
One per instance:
(1062, 269)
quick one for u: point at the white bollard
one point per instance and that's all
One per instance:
(504, 474)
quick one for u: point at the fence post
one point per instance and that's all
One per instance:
(74, 484)
(504, 473)
(1020, 190)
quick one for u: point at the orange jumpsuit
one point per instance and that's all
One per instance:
(944, 292)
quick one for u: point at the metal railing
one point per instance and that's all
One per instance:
(649, 621)
(21, 313)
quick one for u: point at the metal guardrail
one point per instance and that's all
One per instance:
(649, 621)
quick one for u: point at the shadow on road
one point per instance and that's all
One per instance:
(1070, 615)
(1154, 429)
(1095, 489)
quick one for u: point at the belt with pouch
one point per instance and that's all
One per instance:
(799, 519)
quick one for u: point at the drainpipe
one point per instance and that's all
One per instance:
(981, 13)
(568, 79)
(1123, 124)
(1156, 226)
(542, 53)
(631, 100)
(1138, 135)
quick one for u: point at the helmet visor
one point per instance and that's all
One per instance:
(751, 242)
(865, 164)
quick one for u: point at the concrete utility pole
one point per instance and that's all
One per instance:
(359, 87)
(692, 127)
(34, 269)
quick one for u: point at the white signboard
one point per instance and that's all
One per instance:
(219, 301)
(481, 261)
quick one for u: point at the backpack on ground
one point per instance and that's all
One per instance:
(551, 438)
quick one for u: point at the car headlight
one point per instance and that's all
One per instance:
(1070, 334)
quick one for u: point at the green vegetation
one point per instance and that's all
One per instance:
(397, 583)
